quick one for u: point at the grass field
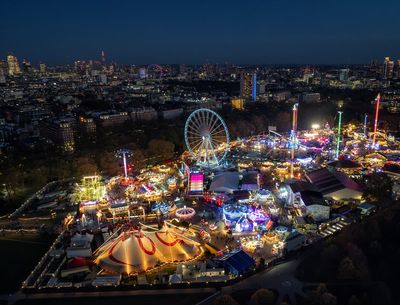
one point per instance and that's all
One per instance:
(19, 255)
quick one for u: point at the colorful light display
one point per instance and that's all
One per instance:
(378, 101)
(293, 137)
(234, 211)
(196, 181)
(258, 215)
(124, 154)
(338, 134)
(163, 207)
(185, 213)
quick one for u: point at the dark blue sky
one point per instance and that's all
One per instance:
(194, 31)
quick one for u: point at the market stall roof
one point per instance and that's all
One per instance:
(250, 181)
(237, 261)
(312, 198)
(344, 164)
(225, 182)
(300, 185)
(328, 181)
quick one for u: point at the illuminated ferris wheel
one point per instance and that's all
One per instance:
(206, 137)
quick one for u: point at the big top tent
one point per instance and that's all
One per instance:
(135, 251)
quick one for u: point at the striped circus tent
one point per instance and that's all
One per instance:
(135, 251)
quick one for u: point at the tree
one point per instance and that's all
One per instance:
(354, 301)
(283, 121)
(84, 166)
(347, 270)
(320, 296)
(225, 299)
(109, 164)
(359, 259)
(161, 149)
(138, 159)
(11, 178)
(263, 297)
(378, 187)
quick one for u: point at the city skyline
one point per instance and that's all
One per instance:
(261, 32)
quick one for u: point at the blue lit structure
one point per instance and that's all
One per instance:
(163, 207)
(254, 87)
(233, 212)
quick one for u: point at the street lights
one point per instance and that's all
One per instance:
(83, 220)
(99, 214)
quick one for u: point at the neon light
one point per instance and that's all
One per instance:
(378, 100)
(338, 135)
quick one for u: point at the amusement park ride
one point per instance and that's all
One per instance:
(206, 138)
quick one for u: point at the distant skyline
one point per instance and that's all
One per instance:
(195, 32)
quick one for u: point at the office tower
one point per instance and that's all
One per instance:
(388, 66)
(245, 85)
(13, 66)
(344, 75)
(142, 73)
(248, 86)
(26, 66)
(396, 70)
(42, 68)
(103, 57)
(3, 67)
(183, 69)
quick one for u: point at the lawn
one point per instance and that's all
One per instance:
(19, 255)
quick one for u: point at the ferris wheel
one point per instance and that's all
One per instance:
(206, 137)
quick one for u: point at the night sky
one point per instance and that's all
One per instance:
(192, 32)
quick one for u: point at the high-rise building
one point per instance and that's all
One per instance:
(42, 68)
(142, 73)
(13, 66)
(396, 72)
(248, 86)
(344, 75)
(26, 67)
(103, 57)
(3, 67)
(388, 66)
